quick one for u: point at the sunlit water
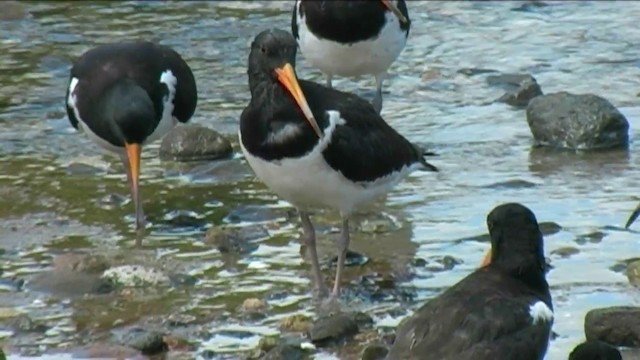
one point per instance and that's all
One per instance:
(573, 46)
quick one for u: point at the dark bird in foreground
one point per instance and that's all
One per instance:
(317, 147)
(500, 311)
(352, 38)
(125, 95)
(595, 350)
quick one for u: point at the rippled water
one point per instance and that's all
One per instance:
(485, 159)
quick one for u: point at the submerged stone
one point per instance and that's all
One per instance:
(194, 143)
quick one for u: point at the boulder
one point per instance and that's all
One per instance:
(617, 325)
(194, 143)
(577, 122)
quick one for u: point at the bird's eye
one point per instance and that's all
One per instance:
(263, 49)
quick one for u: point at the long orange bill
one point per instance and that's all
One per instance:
(487, 259)
(287, 77)
(133, 154)
(394, 9)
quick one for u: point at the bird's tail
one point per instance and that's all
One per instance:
(422, 154)
(633, 217)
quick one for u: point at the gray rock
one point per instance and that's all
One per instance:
(136, 276)
(374, 352)
(335, 327)
(146, 341)
(617, 325)
(578, 122)
(194, 143)
(520, 88)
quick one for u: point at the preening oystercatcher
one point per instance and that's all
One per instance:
(595, 350)
(124, 95)
(352, 37)
(500, 311)
(315, 146)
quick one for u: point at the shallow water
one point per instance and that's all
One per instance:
(48, 207)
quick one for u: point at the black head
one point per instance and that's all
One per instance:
(272, 61)
(128, 111)
(516, 241)
(595, 350)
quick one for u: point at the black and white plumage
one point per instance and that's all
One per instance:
(315, 146)
(500, 311)
(352, 37)
(124, 95)
(595, 350)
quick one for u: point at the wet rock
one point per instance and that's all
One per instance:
(374, 352)
(578, 122)
(352, 259)
(24, 324)
(633, 273)
(105, 351)
(520, 88)
(285, 349)
(297, 323)
(136, 276)
(336, 328)
(83, 169)
(87, 263)
(253, 305)
(179, 320)
(565, 251)
(419, 262)
(70, 283)
(594, 350)
(617, 325)
(594, 238)
(475, 71)
(183, 219)
(146, 341)
(549, 228)
(621, 266)
(236, 241)
(444, 263)
(194, 143)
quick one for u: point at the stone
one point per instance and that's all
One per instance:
(633, 273)
(617, 325)
(577, 122)
(253, 305)
(374, 352)
(136, 276)
(335, 328)
(235, 241)
(194, 143)
(520, 88)
(297, 323)
(594, 350)
(146, 341)
(80, 262)
(565, 251)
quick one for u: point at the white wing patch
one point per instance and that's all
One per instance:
(167, 122)
(540, 312)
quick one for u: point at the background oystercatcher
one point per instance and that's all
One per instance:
(124, 95)
(347, 157)
(500, 311)
(595, 350)
(352, 38)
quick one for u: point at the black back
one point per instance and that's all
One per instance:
(363, 149)
(486, 315)
(345, 21)
(142, 63)
(595, 350)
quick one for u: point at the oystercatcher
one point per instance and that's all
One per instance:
(500, 311)
(124, 95)
(595, 350)
(315, 146)
(352, 38)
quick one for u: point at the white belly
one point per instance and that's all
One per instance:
(309, 182)
(373, 56)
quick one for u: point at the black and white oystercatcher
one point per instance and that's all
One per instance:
(124, 95)
(500, 311)
(352, 37)
(595, 350)
(315, 146)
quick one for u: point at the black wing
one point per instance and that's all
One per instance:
(483, 317)
(365, 148)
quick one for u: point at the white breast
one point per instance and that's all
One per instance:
(309, 182)
(372, 56)
(540, 312)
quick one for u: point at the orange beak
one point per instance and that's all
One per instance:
(287, 77)
(487, 259)
(394, 9)
(133, 154)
